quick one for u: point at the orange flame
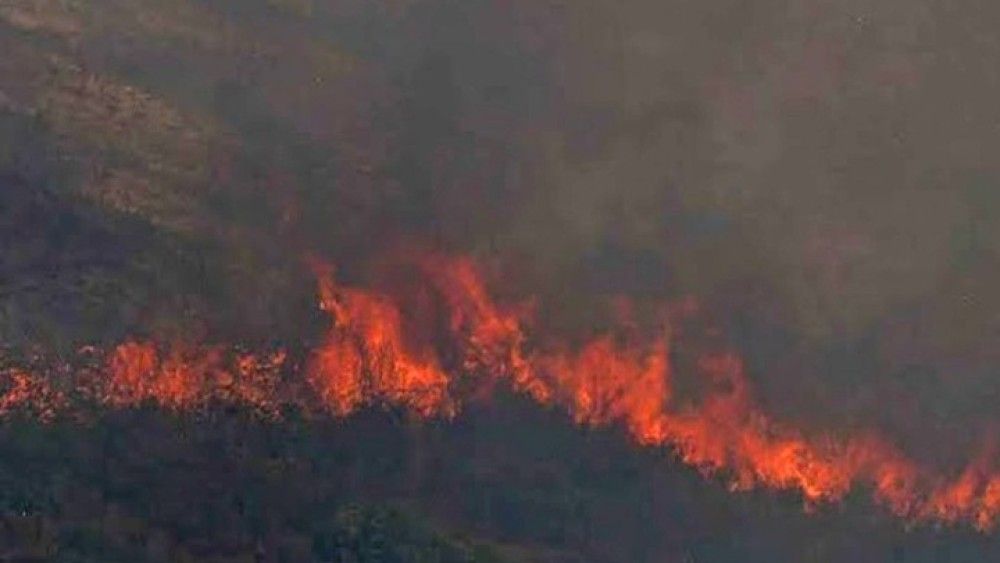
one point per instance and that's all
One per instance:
(366, 356)
(370, 357)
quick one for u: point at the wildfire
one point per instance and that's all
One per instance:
(377, 352)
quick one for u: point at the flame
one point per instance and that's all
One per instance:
(376, 354)
(366, 356)
(28, 392)
(606, 383)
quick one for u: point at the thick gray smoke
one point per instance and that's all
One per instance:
(820, 174)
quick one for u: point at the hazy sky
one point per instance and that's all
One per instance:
(820, 174)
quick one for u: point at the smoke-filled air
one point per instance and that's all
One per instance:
(499, 280)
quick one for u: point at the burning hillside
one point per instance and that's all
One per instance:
(449, 342)
(589, 281)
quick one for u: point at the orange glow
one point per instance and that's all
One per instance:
(378, 353)
(366, 357)
(605, 383)
(492, 337)
(24, 392)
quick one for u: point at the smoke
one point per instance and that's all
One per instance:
(814, 173)
(817, 174)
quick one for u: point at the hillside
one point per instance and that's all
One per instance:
(172, 170)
